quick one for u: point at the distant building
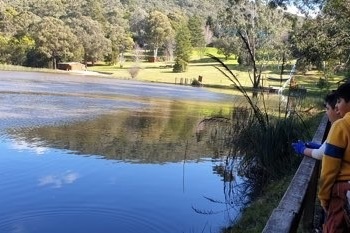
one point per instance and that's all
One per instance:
(71, 66)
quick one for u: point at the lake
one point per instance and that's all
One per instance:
(90, 154)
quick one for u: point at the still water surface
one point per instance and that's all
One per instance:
(93, 155)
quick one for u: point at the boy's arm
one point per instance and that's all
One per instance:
(318, 153)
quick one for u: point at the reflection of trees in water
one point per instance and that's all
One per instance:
(234, 191)
(151, 135)
(220, 133)
(214, 132)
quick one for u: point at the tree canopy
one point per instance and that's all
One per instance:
(41, 33)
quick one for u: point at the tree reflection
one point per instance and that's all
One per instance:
(140, 136)
(219, 134)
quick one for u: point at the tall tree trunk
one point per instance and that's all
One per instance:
(54, 65)
(155, 54)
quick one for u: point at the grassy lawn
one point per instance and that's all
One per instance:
(205, 67)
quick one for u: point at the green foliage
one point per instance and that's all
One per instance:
(227, 46)
(108, 26)
(261, 31)
(323, 83)
(158, 30)
(254, 218)
(267, 150)
(263, 141)
(4, 49)
(91, 36)
(36, 59)
(183, 49)
(54, 39)
(195, 25)
(20, 48)
(179, 67)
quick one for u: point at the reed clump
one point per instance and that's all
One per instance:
(262, 140)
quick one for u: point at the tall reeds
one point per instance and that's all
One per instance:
(260, 139)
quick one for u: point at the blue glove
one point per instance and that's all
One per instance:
(312, 145)
(299, 147)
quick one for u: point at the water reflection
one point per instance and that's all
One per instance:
(146, 136)
(109, 163)
(57, 181)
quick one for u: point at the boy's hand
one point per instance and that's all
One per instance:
(299, 147)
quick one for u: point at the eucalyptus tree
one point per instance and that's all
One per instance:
(23, 20)
(7, 14)
(121, 41)
(258, 27)
(92, 38)
(42, 8)
(94, 9)
(137, 22)
(15, 41)
(324, 40)
(227, 45)
(74, 8)
(304, 5)
(54, 40)
(118, 16)
(337, 16)
(158, 30)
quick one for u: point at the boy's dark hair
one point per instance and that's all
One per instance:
(331, 99)
(343, 91)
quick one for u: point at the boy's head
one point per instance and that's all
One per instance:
(343, 99)
(331, 99)
(330, 103)
(343, 91)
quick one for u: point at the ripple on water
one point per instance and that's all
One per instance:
(88, 219)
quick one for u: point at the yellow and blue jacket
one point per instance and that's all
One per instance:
(336, 159)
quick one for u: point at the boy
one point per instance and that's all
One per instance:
(315, 150)
(335, 172)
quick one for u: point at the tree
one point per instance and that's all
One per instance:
(227, 46)
(159, 30)
(183, 49)
(92, 38)
(22, 22)
(19, 49)
(7, 13)
(258, 28)
(94, 10)
(138, 22)
(47, 8)
(54, 40)
(121, 41)
(196, 28)
(4, 48)
(303, 5)
(312, 41)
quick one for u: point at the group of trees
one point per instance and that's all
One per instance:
(319, 37)
(41, 33)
